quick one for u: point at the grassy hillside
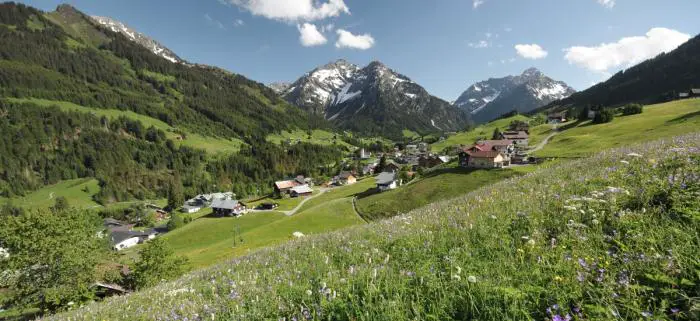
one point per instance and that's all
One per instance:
(482, 131)
(212, 145)
(588, 239)
(78, 192)
(657, 121)
(207, 241)
(439, 185)
(319, 137)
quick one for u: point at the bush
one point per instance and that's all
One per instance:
(604, 116)
(632, 109)
(176, 221)
(158, 262)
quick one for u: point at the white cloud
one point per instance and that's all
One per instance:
(238, 23)
(625, 52)
(480, 45)
(310, 36)
(607, 3)
(293, 10)
(477, 3)
(533, 51)
(348, 40)
(213, 22)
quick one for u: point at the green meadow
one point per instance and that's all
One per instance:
(318, 137)
(437, 185)
(656, 122)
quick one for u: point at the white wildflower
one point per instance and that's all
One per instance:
(624, 162)
(309, 292)
(634, 155)
(570, 208)
(298, 234)
(459, 270)
(456, 277)
(471, 279)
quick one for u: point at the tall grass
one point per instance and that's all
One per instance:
(611, 237)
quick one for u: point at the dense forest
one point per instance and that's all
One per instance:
(98, 68)
(656, 80)
(63, 56)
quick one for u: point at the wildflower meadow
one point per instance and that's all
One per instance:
(611, 237)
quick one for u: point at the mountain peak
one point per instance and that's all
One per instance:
(137, 37)
(531, 72)
(489, 99)
(66, 8)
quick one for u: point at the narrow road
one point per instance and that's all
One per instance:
(354, 207)
(545, 141)
(296, 209)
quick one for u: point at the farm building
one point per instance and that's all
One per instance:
(484, 159)
(303, 190)
(387, 181)
(228, 208)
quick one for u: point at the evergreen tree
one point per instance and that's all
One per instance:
(496, 134)
(157, 262)
(382, 165)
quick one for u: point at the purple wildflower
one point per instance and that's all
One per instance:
(580, 277)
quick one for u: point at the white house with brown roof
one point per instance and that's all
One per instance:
(489, 159)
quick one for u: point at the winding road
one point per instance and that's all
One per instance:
(545, 141)
(296, 209)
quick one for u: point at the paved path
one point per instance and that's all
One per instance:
(545, 141)
(296, 209)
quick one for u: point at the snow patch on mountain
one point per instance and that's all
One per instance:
(139, 38)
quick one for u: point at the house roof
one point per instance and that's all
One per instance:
(118, 236)
(225, 204)
(695, 91)
(484, 154)
(286, 184)
(445, 159)
(386, 178)
(489, 145)
(516, 135)
(557, 115)
(345, 175)
(303, 189)
(189, 206)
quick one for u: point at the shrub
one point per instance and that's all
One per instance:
(604, 116)
(632, 109)
(176, 221)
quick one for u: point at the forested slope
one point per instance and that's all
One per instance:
(653, 81)
(64, 57)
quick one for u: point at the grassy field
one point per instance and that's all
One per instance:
(341, 192)
(207, 241)
(210, 144)
(482, 131)
(589, 239)
(438, 185)
(78, 192)
(657, 121)
(318, 137)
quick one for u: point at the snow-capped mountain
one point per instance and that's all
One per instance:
(373, 99)
(487, 100)
(141, 39)
(279, 87)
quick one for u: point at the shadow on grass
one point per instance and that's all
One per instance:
(449, 170)
(683, 118)
(369, 192)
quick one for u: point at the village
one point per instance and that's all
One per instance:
(390, 171)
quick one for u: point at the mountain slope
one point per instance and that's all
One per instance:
(139, 38)
(64, 58)
(487, 100)
(372, 100)
(656, 80)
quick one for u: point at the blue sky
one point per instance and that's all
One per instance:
(444, 45)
